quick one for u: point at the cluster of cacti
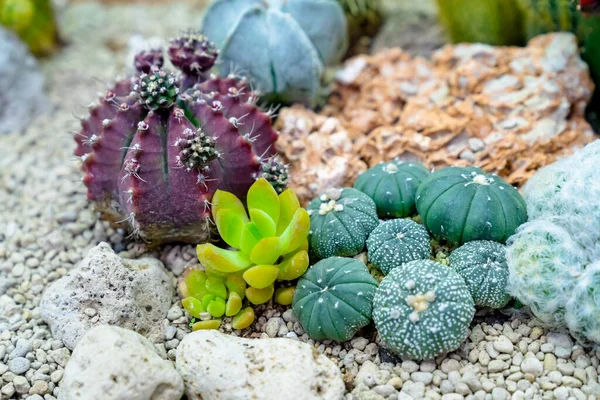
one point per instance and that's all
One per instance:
(396, 242)
(283, 45)
(333, 300)
(464, 204)
(392, 186)
(553, 258)
(482, 264)
(156, 147)
(422, 309)
(270, 242)
(33, 21)
(364, 17)
(341, 220)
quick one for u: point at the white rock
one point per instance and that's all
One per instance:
(216, 366)
(134, 294)
(367, 374)
(500, 394)
(532, 365)
(115, 363)
(503, 345)
(21, 85)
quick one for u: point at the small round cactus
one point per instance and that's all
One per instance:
(276, 173)
(340, 220)
(422, 310)
(333, 299)
(396, 242)
(283, 45)
(146, 59)
(157, 89)
(393, 187)
(465, 204)
(482, 264)
(194, 55)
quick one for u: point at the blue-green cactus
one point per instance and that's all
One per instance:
(396, 242)
(482, 264)
(283, 45)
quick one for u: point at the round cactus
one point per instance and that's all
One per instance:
(396, 242)
(333, 299)
(194, 55)
(340, 220)
(146, 59)
(153, 154)
(482, 264)
(582, 307)
(393, 187)
(283, 45)
(465, 204)
(276, 173)
(422, 310)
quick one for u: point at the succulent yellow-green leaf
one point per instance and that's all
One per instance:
(284, 296)
(296, 232)
(216, 286)
(243, 319)
(192, 283)
(221, 260)
(294, 266)
(250, 237)
(261, 276)
(266, 251)
(288, 204)
(207, 299)
(193, 306)
(210, 324)
(230, 226)
(216, 308)
(259, 296)
(263, 222)
(236, 283)
(234, 304)
(222, 200)
(262, 196)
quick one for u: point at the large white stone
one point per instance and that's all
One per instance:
(115, 363)
(215, 366)
(105, 289)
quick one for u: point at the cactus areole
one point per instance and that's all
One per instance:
(154, 150)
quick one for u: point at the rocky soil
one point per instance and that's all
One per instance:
(47, 228)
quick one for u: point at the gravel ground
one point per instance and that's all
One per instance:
(47, 226)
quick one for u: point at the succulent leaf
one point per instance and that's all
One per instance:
(259, 296)
(296, 232)
(263, 197)
(266, 251)
(230, 227)
(294, 266)
(236, 283)
(263, 222)
(223, 200)
(216, 308)
(284, 296)
(288, 204)
(243, 319)
(193, 306)
(234, 304)
(261, 276)
(221, 260)
(192, 283)
(209, 324)
(216, 286)
(250, 237)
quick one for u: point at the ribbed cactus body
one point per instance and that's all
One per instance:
(283, 45)
(152, 158)
(544, 16)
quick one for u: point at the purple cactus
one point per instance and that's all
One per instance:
(147, 59)
(153, 157)
(194, 55)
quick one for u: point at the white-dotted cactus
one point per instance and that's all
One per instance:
(482, 264)
(553, 259)
(422, 310)
(396, 242)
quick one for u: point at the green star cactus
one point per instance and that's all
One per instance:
(393, 187)
(482, 264)
(341, 220)
(464, 204)
(270, 242)
(422, 309)
(33, 21)
(396, 242)
(333, 300)
(156, 147)
(283, 45)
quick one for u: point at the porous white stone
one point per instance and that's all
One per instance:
(216, 366)
(133, 294)
(113, 363)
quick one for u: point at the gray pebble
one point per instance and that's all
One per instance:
(19, 365)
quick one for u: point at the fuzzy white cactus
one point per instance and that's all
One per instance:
(554, 259)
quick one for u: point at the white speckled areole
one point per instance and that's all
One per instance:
(422, 310)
